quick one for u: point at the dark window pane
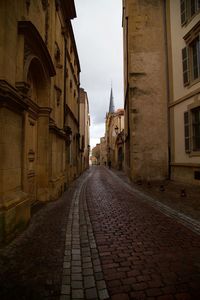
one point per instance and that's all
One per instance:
(196, 129)
(192, 7)
(185, 66)
(195, 52)
(183, 12)
(187, 131)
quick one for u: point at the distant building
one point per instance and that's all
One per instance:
(113, 136)
(96, 155)
(84, 130)
(103, 151)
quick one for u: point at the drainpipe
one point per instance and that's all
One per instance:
(64, 78)
(168, 93)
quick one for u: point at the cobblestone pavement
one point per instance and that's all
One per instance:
(169, 192)
(145, 254)
(82, 271)
(31, 266)
(103, 240)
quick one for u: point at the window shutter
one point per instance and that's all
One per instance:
(183, 11)
(187, 131)
(185, 61)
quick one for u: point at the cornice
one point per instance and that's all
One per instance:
(11, 98)
(35, 40)
(56, 130)
(69, 111)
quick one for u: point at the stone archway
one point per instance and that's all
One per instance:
(120, 158)
(37, 130)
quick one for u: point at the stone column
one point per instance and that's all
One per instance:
(43, 155)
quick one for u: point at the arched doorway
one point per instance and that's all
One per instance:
(37, 130)
(120, 158)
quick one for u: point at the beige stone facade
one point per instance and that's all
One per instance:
(39, 114)
(84, 130)
(96, 155)
(103, 151)
(145, 90)
(115, 138)
(183, 36)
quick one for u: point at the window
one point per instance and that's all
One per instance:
(185, 61)
(191, 61)
(192, 132)
(187, 131)
(188, 9)
(195, 53)
(196, 129)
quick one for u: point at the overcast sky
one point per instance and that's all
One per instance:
(98, 34)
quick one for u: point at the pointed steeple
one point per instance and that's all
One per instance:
(111, 106)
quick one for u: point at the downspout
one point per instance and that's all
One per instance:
(78, 145)
(64, 78)
(168, 93)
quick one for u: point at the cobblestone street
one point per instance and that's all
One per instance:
(103, 240)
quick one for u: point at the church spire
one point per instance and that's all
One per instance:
(111, 106)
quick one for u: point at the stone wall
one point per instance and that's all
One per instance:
(145, 90)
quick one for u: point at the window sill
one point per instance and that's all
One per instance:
(193, 82)
(189, 20)
(194, 154)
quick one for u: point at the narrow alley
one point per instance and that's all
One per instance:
(102, 240)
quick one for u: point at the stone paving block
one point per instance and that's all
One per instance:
(98, 275)
(66, 272)
(65, 289)
(154, 292)
(91, 293)
(87, 265)
(97, 268)
(76, 251)
(88, 271)
(76, 257)
(76, 263)
(101, 284)
(96, 262)
(66, 264)
(77, 277)
(67, 258)
(65, 297)
(166, 297)
(103, 294)
(120, 297)
(66, 280)
(77, 294)
(89, 281)
(86, 259)
(76, 270)
(77, 284)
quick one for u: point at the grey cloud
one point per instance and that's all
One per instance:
(98, 36)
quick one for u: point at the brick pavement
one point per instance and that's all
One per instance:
(82, 271)
(145, 254)
(31, 266)
(103, 240)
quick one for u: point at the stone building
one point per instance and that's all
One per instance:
(84, 130)
(145, 89)
(39, 117)
(96, 155)
(103, 151)
(183, 37)
(114, 128)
